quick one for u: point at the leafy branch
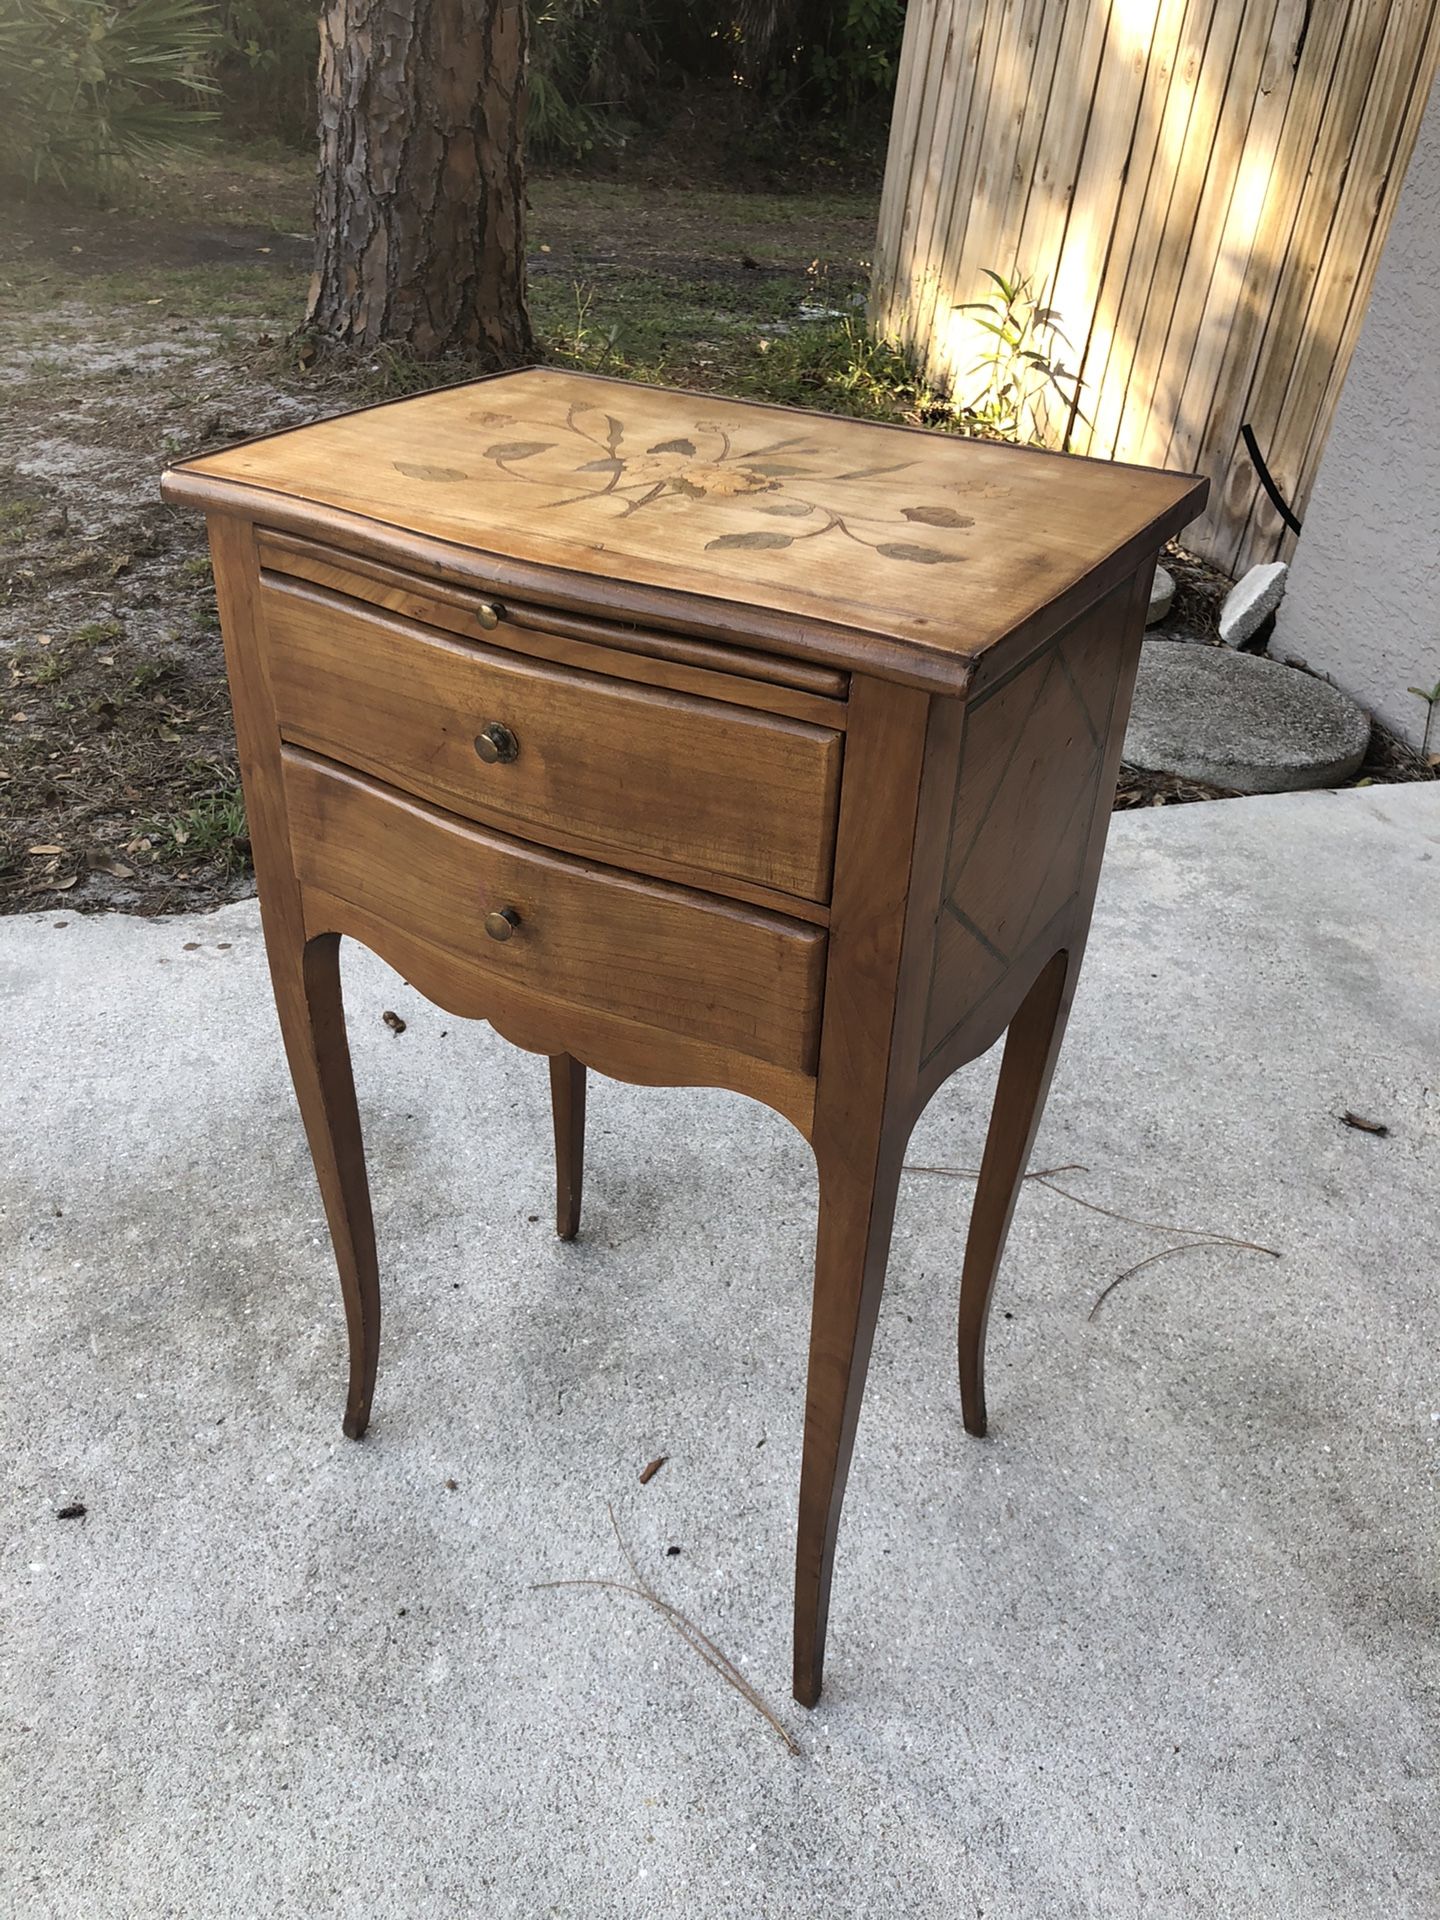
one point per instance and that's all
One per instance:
(1022, 367)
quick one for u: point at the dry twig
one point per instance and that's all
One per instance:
(1200, 1236)
(694, 1637)
(1167, 1253)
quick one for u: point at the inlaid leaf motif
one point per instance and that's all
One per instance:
(413, 471)
(872, 473)
(938, 516)
(774, 469)
(517, 449)
(673, 446)
(607, 464)
(728, 540)
(923, 556)
(792, 509)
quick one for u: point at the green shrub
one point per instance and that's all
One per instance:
(819, 59)
(598, 67)
(269, 54)
(593, 64)
(88, 87)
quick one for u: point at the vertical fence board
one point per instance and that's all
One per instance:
(1063, 138)
(900, 154)
(1347, 267)
(1175, 53)
(1387, 195)
(929, 322)
(1224, 236)
(976, 54)
(1177, 261)
(1305, 111)
(1202, 187)
(1292, 316)
(910, 248)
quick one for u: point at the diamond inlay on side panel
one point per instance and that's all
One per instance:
(1030, 756)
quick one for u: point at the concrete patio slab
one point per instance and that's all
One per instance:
(1164, 1645)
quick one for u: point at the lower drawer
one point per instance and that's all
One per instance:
(663, 957)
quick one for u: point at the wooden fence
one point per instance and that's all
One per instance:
(1200, 187)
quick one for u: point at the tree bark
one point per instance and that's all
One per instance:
(420, 208)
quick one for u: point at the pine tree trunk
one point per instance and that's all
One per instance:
(420, 210)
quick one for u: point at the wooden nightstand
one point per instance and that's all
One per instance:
(700, 743)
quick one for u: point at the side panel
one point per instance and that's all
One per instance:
(1039, 751)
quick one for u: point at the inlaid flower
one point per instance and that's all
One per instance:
(787, 483)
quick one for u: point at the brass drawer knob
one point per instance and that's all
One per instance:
(497, 745)
(488, 614)
(501, 923)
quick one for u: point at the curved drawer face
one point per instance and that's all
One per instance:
(628, 771)
(662, 957)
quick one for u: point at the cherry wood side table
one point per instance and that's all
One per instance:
(700, 743)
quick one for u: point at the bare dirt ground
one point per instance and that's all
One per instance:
(131, 337)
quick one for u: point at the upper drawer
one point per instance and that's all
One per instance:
(635, 773)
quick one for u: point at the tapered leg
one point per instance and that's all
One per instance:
(851, 1248)
(567, 1100)
(312, 1019)
(1032, 1047)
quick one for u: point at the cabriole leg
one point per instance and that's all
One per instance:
(312, 1020)
(1032, 1047)
(851, 1249)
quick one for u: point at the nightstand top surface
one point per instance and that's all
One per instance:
(934, 546)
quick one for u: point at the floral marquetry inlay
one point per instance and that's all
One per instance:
(790, 484)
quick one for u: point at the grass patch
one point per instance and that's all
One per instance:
(17, 517)
(208, 291)
(754, 339)
(758, 346)
(553, 197)
(213, 830)
(52, 668)
(253, 183)
(217, 291)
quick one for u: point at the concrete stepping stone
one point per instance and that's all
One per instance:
(1162, 596)
(1236, 720)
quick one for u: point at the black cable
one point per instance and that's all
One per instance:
(1276, 498)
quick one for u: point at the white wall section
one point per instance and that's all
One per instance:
(1363, 604)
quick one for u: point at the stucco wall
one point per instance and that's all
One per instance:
(1364, 598)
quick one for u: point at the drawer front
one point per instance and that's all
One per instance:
(624, 770)
(660, 956)
(758, 679)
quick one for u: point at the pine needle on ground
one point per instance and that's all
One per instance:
(694, 1637)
